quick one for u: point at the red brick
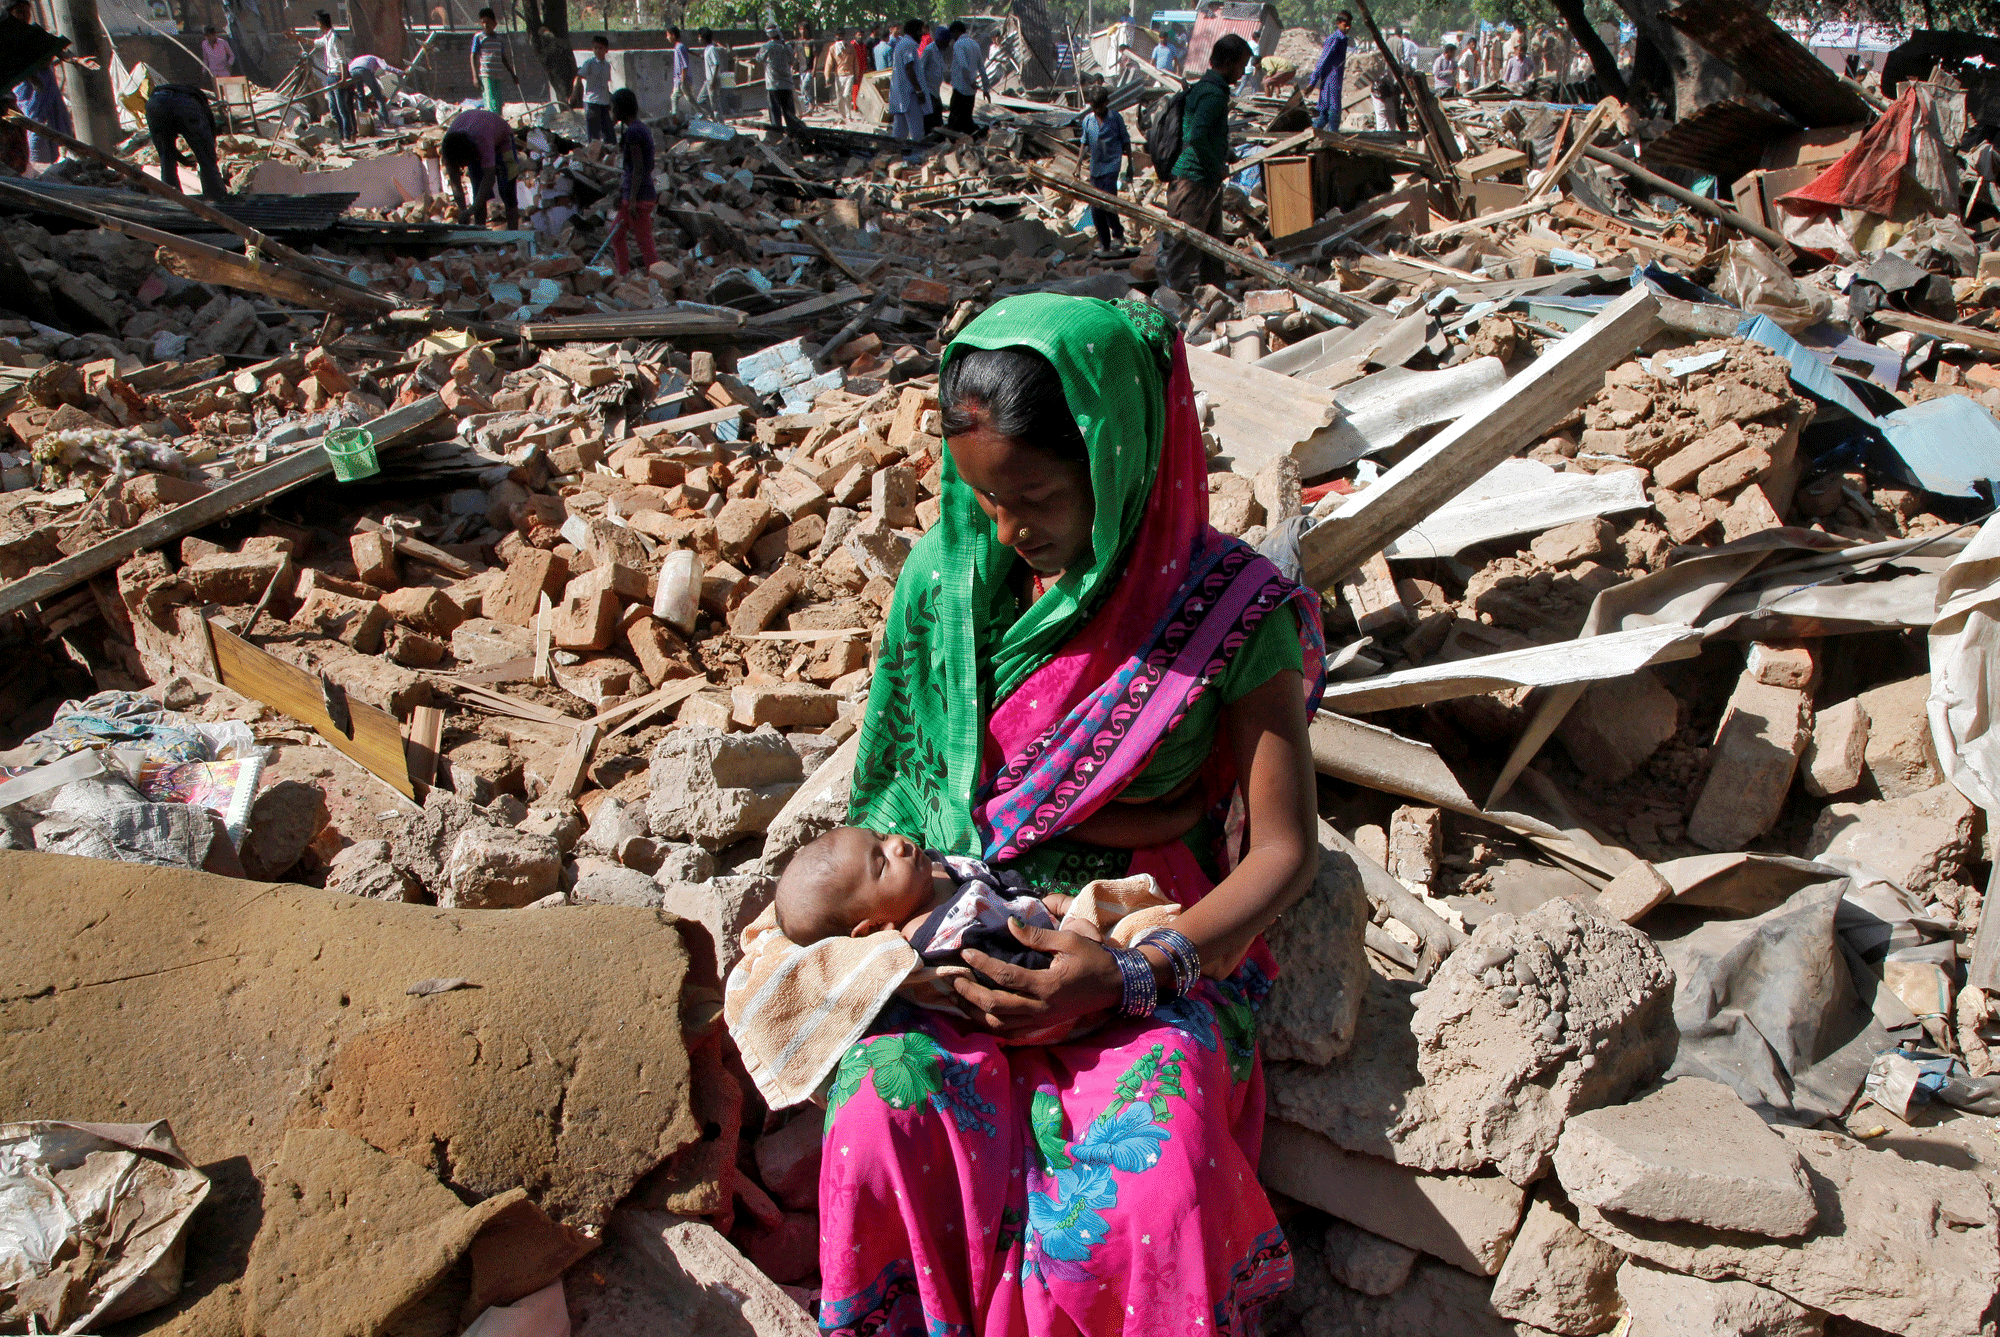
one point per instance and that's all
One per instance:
(529, 576)
(424, 608)
(374, 559)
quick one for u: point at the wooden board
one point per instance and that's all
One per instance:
(239, 494)
(377, 743)
(1288, 194)
(1566, 374)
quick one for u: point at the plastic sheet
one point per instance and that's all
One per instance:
(1756, 281)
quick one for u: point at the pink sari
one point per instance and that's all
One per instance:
(1107, 1184)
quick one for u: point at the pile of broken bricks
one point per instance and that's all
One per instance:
(1612, 641)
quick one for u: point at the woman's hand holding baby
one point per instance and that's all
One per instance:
(1083, 981)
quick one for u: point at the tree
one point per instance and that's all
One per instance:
(548, 32)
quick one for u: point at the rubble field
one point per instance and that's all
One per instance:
(1645, 986)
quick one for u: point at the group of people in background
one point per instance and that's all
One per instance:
(1503, 55)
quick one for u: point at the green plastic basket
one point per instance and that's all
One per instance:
(352, 452)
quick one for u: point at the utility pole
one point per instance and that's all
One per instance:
(89, 90)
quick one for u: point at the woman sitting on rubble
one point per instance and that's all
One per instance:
(1073, 640)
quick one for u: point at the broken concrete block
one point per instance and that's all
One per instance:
(283, 821)
(1314, 1003)
(1232, 503)
(1667, 1304)
(1687, 1151)
(365, 869)
(1915, 842)
(878, 549)
(1679, 470)
(587, 616)
(421, 846)
(1416, 839)
(602, 883)
(1758, 742)
(356, 623)
(1582, 541)
(1838, 753)
(1363, 1261)
(715, 1289)
(618, 832)
(429, 610)
(790, 705)
(819, 805)
(762, 606)
(479, 643)
(1618, 724)
(499, 868)
(716, 788)
(1534, 1019)
(1901, 756)
(1903, 1245)
(374, 559)
(740, 523)
(1637, 891)
(1276, 488)
(529, 576)
(1782, 664)
(892, 495)
(1557, 1278)
(725, 906)
(1465, 1220)
(562, 824)
(234, 577)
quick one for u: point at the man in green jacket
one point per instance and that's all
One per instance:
(1194, 195)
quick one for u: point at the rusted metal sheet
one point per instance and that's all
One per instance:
(1726, 138)
(1771, 61)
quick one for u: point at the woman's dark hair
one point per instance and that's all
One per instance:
(325, 19)
(1018, 393)
(457, 151)
(624, 105)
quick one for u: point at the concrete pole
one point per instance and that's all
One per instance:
(89, 91)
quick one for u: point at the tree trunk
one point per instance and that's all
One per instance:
(548, 33)
(1693, 78)
(1602, 59)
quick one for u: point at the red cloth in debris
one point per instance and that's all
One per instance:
(1870, 174)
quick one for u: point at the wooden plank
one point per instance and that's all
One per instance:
(1288, 195)
(1550, 181)
(426, 738)
(1277, 150)
(673, 693)
(1567, 373)
(1339, 303)
(377, 740)
(1986, 341)
(240, 494)
(568, 778)
(1486, 221)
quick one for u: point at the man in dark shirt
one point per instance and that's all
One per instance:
(482, 143)
(179, 114)
(1194, 194)
(637, 195)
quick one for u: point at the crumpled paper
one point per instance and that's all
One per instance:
(91, 1222)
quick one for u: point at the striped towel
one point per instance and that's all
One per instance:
(793, 1011)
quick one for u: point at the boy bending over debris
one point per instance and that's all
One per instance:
(482, 143)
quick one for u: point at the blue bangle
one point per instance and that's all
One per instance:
(1181, 953)
(1142, 992)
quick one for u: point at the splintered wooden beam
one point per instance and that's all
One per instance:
(1566, 374)
(1339, 303)
(239, 494)
(368, 734)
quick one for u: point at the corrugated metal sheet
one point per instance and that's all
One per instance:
(1771, 61)
(1726, 138)
(266, 213)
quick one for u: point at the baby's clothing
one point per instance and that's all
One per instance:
(977, 917)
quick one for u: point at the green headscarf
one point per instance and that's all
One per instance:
(956, 641)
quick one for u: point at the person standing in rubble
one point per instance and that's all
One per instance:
(715, 58)
(933, 67)
(482, 143)
(330, 59)
(678, 95)
(805, 67)
(638, 195)
(1108, 145)
(1194, 193)
(1386, 93)
(1444, 71)
(216, 54)
(593, 92)
(884, 49)
(975, 1180)
(968, 72)
(179, 114)
(907, 103)
(489, 59)
(846, 69)
(1329, 74)
(779, 83)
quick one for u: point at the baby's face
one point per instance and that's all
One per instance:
(884, 879)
